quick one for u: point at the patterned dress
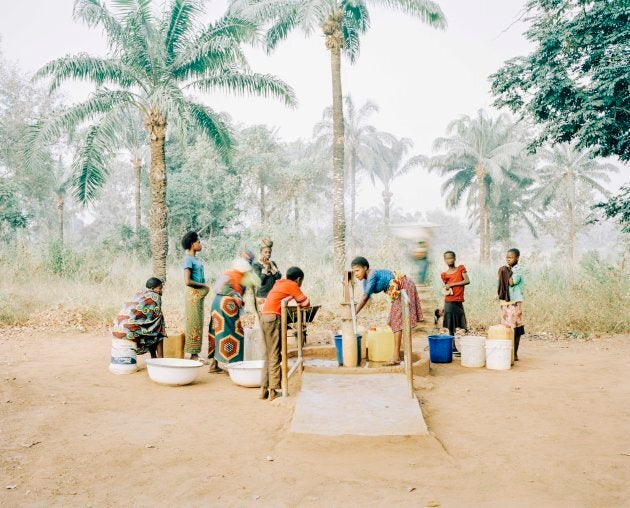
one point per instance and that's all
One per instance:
(225, 331)
(194, 306)
(141, 320)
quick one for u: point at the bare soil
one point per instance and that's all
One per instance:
(554, 431)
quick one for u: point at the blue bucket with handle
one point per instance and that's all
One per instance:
(441, 348)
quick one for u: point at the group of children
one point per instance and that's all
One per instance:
(141, 319)
(510, 293)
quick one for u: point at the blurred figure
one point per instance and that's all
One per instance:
(421, 260)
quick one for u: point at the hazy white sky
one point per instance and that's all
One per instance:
(421, 78)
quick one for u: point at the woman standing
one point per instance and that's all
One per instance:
(266, 269)
(196, 291)
(225, 331)
(375, 281)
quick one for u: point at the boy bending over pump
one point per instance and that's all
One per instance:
(288, 288)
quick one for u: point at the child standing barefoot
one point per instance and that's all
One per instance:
(454, 279)
(511, 296)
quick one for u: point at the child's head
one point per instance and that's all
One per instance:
(154, 284)
(449, 258)
(512, 257)
(190, 241)
(360, 267)
(296, 275)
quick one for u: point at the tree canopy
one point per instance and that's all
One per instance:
(576, 83)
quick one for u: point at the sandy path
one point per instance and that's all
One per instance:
(553, 432)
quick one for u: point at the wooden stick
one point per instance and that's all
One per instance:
(285, 359)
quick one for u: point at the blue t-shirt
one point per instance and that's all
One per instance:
(377, 281)
(196, 269)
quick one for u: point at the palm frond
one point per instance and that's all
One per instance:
(427, 11)
(94, 13)
(49, 130)
(213, 127)
(91, 165)
(281, 28)
(84, 66)
(354, 23)
(179, 20)
(264, 85)
(216, 46)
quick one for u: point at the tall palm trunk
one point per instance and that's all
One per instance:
(570, 216)
(484, 217)
(387, 203)
(263, 204)
(60, 202)
(508, 240)
(136, 163)
(571, 232)
(296, 215)
(334, 42)
(156, 126)
(353, 201)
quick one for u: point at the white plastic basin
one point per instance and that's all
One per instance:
(248, 373)
(173, 371)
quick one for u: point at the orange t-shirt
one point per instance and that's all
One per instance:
(450, 278)
(280, 290)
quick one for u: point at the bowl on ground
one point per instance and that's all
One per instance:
(173, 371)
(247, 373)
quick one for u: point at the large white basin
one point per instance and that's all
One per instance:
(248, 373)
(173, 371)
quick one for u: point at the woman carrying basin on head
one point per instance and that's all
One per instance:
(266, 269)
(392, 283)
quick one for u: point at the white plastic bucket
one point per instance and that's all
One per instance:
(473, 351)
(123, 357)
(498, 354)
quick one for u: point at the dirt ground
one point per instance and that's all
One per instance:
(554, 431)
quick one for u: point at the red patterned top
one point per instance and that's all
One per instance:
(450, 278)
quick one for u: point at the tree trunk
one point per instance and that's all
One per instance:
(387, 202)
(263, 205)
(296, 215)
(334, 42)
(156, 126)
(60, 201)
(571, 233)
(570, 216)
(137, 169)
(484, 217)
(353, 201)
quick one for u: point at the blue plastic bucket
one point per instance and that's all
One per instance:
(441, 348)
(340, 349)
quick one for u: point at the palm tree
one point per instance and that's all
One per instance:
(133, 138)
(361, 139)
(151, 63)
(478, 156)
(260, 157)
(342, 22)
(387, 165)
(61, 180)
(564, 169)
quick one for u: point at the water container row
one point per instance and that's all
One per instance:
(496, 352)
